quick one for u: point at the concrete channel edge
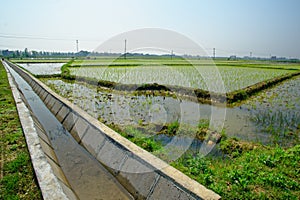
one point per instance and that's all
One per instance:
(120, 156)
(49, 184)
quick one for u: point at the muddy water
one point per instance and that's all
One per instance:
(271, 117)
(88, 178)
(126, 109)
(42, 68)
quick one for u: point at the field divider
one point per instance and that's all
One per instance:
(251, 90)
(192, 94)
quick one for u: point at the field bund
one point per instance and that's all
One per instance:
(142, 174)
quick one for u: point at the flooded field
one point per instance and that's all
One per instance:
(271, 117)
(268, 118)
(277, 110)
(42, 68)
(250, 121)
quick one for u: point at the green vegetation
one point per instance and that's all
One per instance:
(244, 170)
(249, 171)
(179, 61)
(234, 78)
(17, 175)
(120, 61)
(243, 94)
(276, 111)
(242, 79)
(65, 71)
(261, 64)
(147, 131)
(136, 136)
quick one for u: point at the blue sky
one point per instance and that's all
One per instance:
(264, 27)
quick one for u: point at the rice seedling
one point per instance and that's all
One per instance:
(234, 78)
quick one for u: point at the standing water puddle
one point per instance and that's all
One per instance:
(87, 177)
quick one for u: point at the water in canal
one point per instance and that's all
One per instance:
(87, 177)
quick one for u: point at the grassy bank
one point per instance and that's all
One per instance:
(17, 175)
(250, 171)
(245, 171)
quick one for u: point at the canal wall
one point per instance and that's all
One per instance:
(52, 182)
(141, 173)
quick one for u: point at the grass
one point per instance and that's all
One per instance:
(249, 171)
(17, 175)
(245, 171)
(138, 137)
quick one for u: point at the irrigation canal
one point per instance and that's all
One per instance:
(98, 163)
(86, 176)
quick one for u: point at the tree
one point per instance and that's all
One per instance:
(26, 54)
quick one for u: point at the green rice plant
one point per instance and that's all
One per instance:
(234, 78)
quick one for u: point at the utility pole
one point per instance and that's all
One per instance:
(77, 45)
(214, 53)
(125, 50)
(172, 55)
(250, 54)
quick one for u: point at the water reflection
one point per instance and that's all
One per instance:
(42, 68)
(127, 109)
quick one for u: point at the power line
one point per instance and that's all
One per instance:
(40, 38)
(32, 38)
